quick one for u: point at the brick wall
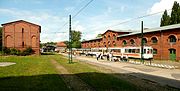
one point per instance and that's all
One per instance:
(20, 35)
(163, 45)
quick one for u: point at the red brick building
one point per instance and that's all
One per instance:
(21, 35)
(61, 46)
(164, 40)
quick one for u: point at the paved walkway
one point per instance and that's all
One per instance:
(170, 77)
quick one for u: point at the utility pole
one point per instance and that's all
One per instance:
(70, 41)
(142, 44)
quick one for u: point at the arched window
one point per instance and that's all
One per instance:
(154, 51)
(109, 43)
(154, 40)
(34, 41)
(144, 40)
(104, 37)
(9, 41)
(172, 39)
(124, 42)
(132, 42)
(114, 36)
(109, 37)
(114, 43)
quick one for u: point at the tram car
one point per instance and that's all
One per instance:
(132, 52)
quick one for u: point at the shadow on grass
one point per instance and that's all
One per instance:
(98, 81)
(47, 53)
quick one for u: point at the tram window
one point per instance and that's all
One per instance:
(137, 50)
(117, 50)
(130, 50)
(133, 50)
(148, 51)
(144, 51)
(126, 50)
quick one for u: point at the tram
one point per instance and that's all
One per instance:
(123, 52)
(132, 52)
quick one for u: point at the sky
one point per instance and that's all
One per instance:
(96, 18)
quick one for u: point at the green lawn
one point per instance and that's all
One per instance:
(30, 73)
(96, 79)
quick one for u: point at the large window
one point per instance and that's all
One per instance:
(124, 42)
(144, 40)
(172, 39)
(154, 51)
(104, 37)
(114, 43)
(114, 36)
(154, 40)
(132, 42)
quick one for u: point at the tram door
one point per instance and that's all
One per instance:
(172, 54)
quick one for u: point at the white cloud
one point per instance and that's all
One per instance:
(161, 6)
(50, 24)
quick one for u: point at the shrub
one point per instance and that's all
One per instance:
(13, 51)
(6, 50)
(18, 53)
(27, 51)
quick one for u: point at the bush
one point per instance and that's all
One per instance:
(27, 51)
(13, 51)
(6, 50)
(18, 53)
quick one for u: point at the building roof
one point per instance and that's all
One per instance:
(61, 44)
(118, 31)
(92, 39)
(164, 28)
(20, 21)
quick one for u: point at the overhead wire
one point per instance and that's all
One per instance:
(129, 20)
(81, 9)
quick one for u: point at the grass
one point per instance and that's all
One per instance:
(30, 73)
(37, 73)
(96, 79)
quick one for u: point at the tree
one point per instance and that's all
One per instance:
(99, 35)
(67, 43)
(76, 37)
(178, 14)
(165, 20)
(174, 18)
(174, 13)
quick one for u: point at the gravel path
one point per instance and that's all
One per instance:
(141, 74)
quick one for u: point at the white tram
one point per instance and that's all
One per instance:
(132, 52)
(123, 52)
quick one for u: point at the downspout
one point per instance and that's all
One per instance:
(161, 44)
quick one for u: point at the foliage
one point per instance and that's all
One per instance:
(6, 50)
(99, 35)
(76, 37)
(27, 51)
(165, 20)
(174, 18)
(67, 43)
(13, 51)
(47, 44)
(174, 13)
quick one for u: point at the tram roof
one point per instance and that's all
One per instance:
(164, 28)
